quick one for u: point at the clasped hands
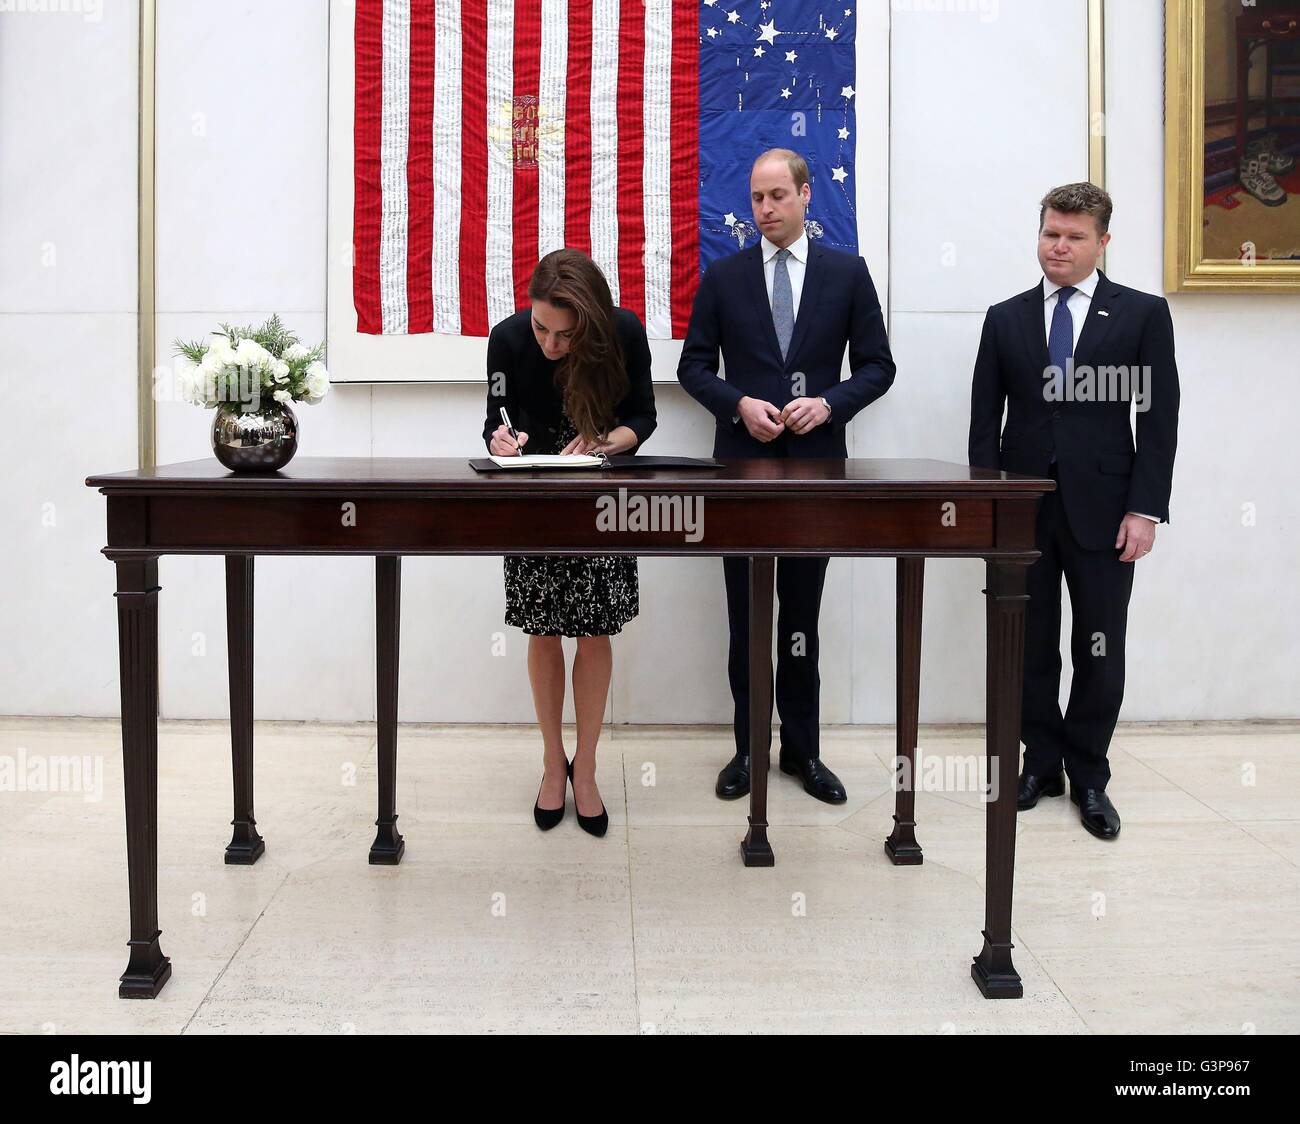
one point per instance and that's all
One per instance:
(766, 423)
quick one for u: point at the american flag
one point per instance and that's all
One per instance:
(490, 132)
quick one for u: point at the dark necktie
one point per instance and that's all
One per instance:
(782, 301)
(1060, 340)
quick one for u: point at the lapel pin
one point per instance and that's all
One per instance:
(1102, 312)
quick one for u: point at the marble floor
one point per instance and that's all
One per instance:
(1189, 922)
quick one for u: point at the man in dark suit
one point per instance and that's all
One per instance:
(781, 313)
(1070, 359)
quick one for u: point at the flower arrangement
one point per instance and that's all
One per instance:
(237, 367)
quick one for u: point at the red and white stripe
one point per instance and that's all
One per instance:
(448, 228)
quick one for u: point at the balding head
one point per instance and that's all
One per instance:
(796, 164)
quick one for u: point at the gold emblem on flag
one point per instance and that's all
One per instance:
(523, 131)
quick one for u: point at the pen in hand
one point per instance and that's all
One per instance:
(505, 418)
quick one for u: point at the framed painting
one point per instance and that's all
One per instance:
(1232, 145)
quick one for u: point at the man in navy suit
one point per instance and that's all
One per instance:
(1071, 359)
(781, 313)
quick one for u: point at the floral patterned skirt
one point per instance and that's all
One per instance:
(570, 595)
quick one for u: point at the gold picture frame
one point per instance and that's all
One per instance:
(1192, 26)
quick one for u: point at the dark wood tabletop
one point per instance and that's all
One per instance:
(454, 474)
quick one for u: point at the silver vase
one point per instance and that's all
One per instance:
(264, 440)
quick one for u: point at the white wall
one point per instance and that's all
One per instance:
(67, 346)
(987, 110)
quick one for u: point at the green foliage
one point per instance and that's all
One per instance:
(273, 335)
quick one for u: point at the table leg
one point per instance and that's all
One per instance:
(137, 646)
(992, 969)
(754, 848)
(388, 845)
(245, 846)
(901, 846)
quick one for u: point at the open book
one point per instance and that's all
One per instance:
(589, 460)
(551, 460)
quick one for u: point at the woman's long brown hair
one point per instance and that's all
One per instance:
(593, 375)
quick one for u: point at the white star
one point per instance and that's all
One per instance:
(831, 33)
(847, 92)
(729, 219)
(839, 175)
(713, 31)
(732, 17)
(844, 134)
(790, 56)
(710, 3)
(785, 93)
(759, 52)
(768, 32)
(848, 12)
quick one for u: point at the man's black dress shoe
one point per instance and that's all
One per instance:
(818, 780)
(1032, 787)
(733, 781)
(1096, 811)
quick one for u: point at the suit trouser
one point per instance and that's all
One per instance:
(799, 582)
(1100, 586)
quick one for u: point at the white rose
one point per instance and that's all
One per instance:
(280, 370)
(250, 353)
(283, 396)
(317, 384)
(296, 351)
(219, 350)
(183, 381)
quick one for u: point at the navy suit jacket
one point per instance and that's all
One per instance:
(838, 307)
(1100, 472)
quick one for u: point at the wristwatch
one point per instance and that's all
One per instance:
(828, 407)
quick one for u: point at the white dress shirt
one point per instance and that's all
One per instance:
(795, 265)
(1078, 304)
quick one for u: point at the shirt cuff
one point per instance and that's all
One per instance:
(1145, 516)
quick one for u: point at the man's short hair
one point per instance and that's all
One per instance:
(1079, 199)
(797, 164)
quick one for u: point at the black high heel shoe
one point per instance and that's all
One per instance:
(547, 818)
(592, 825)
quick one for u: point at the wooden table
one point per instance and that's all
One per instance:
(388, 507)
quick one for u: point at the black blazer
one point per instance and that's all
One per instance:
(838, 306)
(522, 379)
(1100, 472)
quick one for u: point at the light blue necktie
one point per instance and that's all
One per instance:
(1060, 339)
(782, 302)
